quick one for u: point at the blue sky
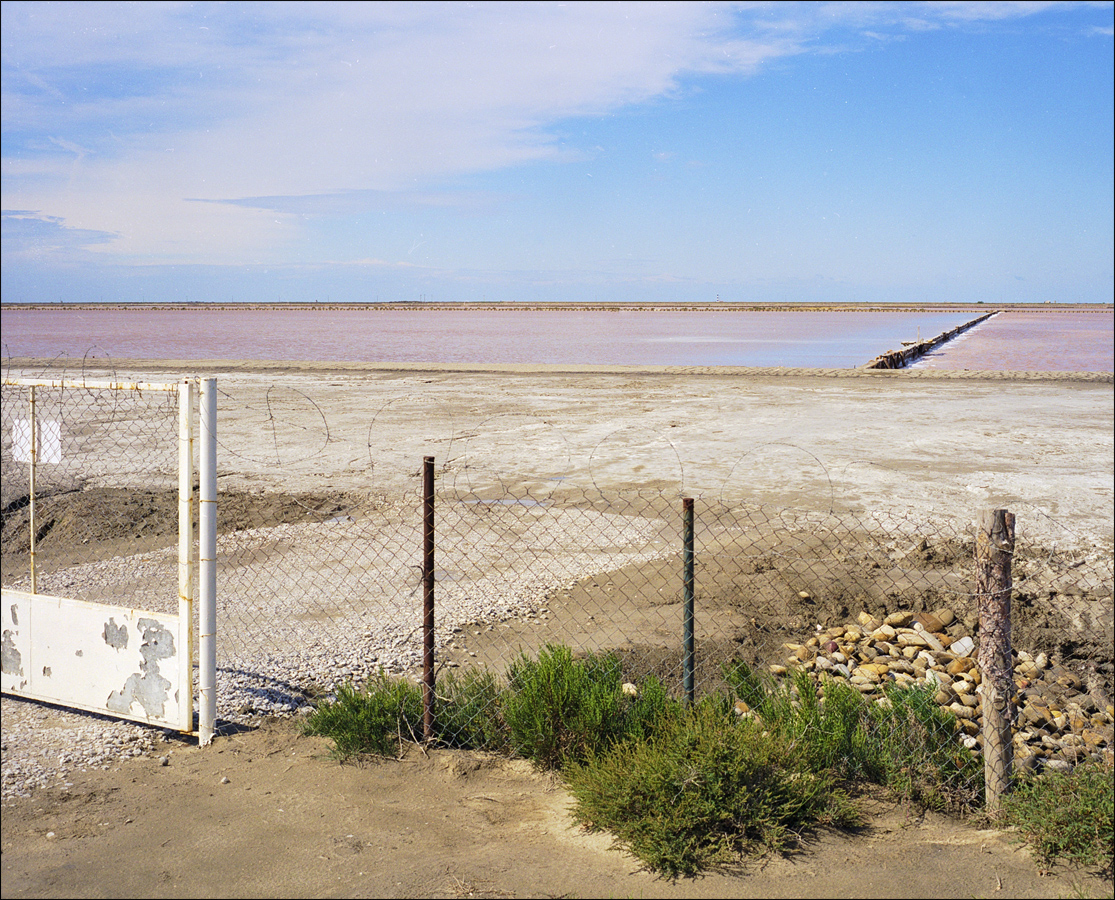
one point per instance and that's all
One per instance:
(940, 152)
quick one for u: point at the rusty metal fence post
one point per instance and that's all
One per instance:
(687, 562)
(994, 553)
(428, 598)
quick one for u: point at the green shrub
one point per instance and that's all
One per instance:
(560, 710)
(920, 751)
(640, 716)
(689, 788)
(824, 722)
(702, 789)
(469, 712)
(761, 693)
(906, 742)
(371, 721)
(1067, 815)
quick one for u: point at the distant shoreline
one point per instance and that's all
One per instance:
(132, 369)
(717, 306)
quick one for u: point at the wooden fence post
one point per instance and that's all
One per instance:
(994, 551)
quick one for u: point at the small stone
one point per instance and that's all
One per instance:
(1096, 738)
(1036, 714)
(961, 711)
(931, 640)
(900, 666)
(899, 619)
(929, 622)
(224, 779)
(962, 647)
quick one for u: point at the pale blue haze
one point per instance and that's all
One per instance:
(950, 152)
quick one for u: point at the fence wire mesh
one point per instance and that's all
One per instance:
(322, 586)
(106, 490)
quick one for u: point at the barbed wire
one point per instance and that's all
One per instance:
(319, 579)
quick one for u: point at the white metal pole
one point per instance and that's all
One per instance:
(187, 584)
(207, 555)
(33, 425)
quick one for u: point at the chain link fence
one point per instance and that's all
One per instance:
(323, 585)
(105, 492)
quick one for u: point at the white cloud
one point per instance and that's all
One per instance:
(307, 99)
(118, 117)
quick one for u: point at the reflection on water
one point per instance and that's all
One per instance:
(1034, 340)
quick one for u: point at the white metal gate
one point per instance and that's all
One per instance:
(61, 437)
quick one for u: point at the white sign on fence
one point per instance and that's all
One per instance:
(49, 446)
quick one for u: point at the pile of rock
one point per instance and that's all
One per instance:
(1058, 723)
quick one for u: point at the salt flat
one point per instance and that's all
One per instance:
(943, 444)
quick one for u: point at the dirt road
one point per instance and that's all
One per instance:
(268, 814)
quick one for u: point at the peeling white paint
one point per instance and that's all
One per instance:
(108, 659)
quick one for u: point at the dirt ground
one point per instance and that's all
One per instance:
(267, 812)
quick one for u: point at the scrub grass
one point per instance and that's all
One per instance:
(689, 788)
(703, 791)
(369, 722)
(902, 740)
(562, 710)
(1067, 816)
